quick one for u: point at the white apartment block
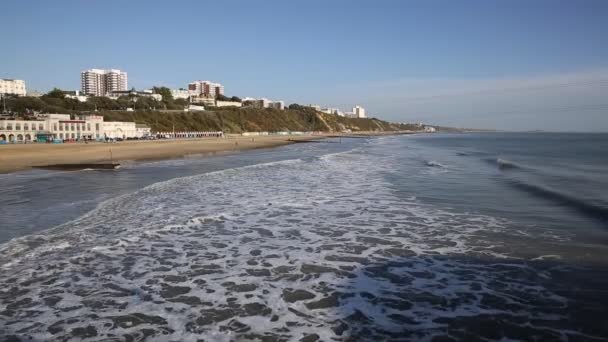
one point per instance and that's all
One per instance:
(13, 87)
(205, 88)
(99, 82)
(359, 111)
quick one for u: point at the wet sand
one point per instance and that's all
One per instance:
(23, 157)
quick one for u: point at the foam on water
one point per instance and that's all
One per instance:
(280, 250)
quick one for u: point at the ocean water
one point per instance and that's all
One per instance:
(425, 237)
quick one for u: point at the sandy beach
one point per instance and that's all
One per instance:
(21, 157)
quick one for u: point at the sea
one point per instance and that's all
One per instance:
(427, 237)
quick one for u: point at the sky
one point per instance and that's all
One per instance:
(512, 65)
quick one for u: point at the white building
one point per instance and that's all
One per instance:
(76, 95)
(61, 126)
(205, 88)
(118, 129)
(429, 129)
(263, 103)
(180, 93)
(359, 111)
(330, 110)
(13, 87)
(228, 104)
(315, 107)
(99, 82)
(143, 130)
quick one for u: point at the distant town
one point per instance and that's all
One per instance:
(112, 84)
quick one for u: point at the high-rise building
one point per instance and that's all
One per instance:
(99, 82)
(205, 88)
(359, 112)
(13, 87)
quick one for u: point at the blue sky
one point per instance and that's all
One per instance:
(502, 64)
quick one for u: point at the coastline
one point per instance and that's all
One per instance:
(15, 158)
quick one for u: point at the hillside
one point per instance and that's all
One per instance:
(238, 120)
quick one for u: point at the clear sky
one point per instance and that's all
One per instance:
(515, 64)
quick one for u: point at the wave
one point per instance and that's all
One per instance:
(504, 164)
(582, 206)
(433, 163)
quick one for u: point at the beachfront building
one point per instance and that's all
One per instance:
(118, 129)
(359, 111)
(205, 88)
(12, 87)
(98, 82)
(63, 127)
(143, 130)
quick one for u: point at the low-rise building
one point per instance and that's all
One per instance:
(134, 94)
(194, 108)
(142, 130)
(315, 107)
(228, 104)
(62, 126)
(263, 103)
(330, 110)
(180, 93)
(12, 87)
(76, 95)
(203, 100)
(118, 129)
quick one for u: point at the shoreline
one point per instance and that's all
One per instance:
(22, 157)
(14, 158)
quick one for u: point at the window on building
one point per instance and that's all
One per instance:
(88, 127)
(54, 126)
(26, 127)
(9, 126)
(97, 127)
(40, 127)
(17, 126)
(72, 128)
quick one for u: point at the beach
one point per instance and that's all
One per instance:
(25, 156)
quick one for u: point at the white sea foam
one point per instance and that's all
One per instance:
(216, 256)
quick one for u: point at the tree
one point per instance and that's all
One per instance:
(56, 93)
(221, 97)
(235, 99)
(164, 92)
(295, 106)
